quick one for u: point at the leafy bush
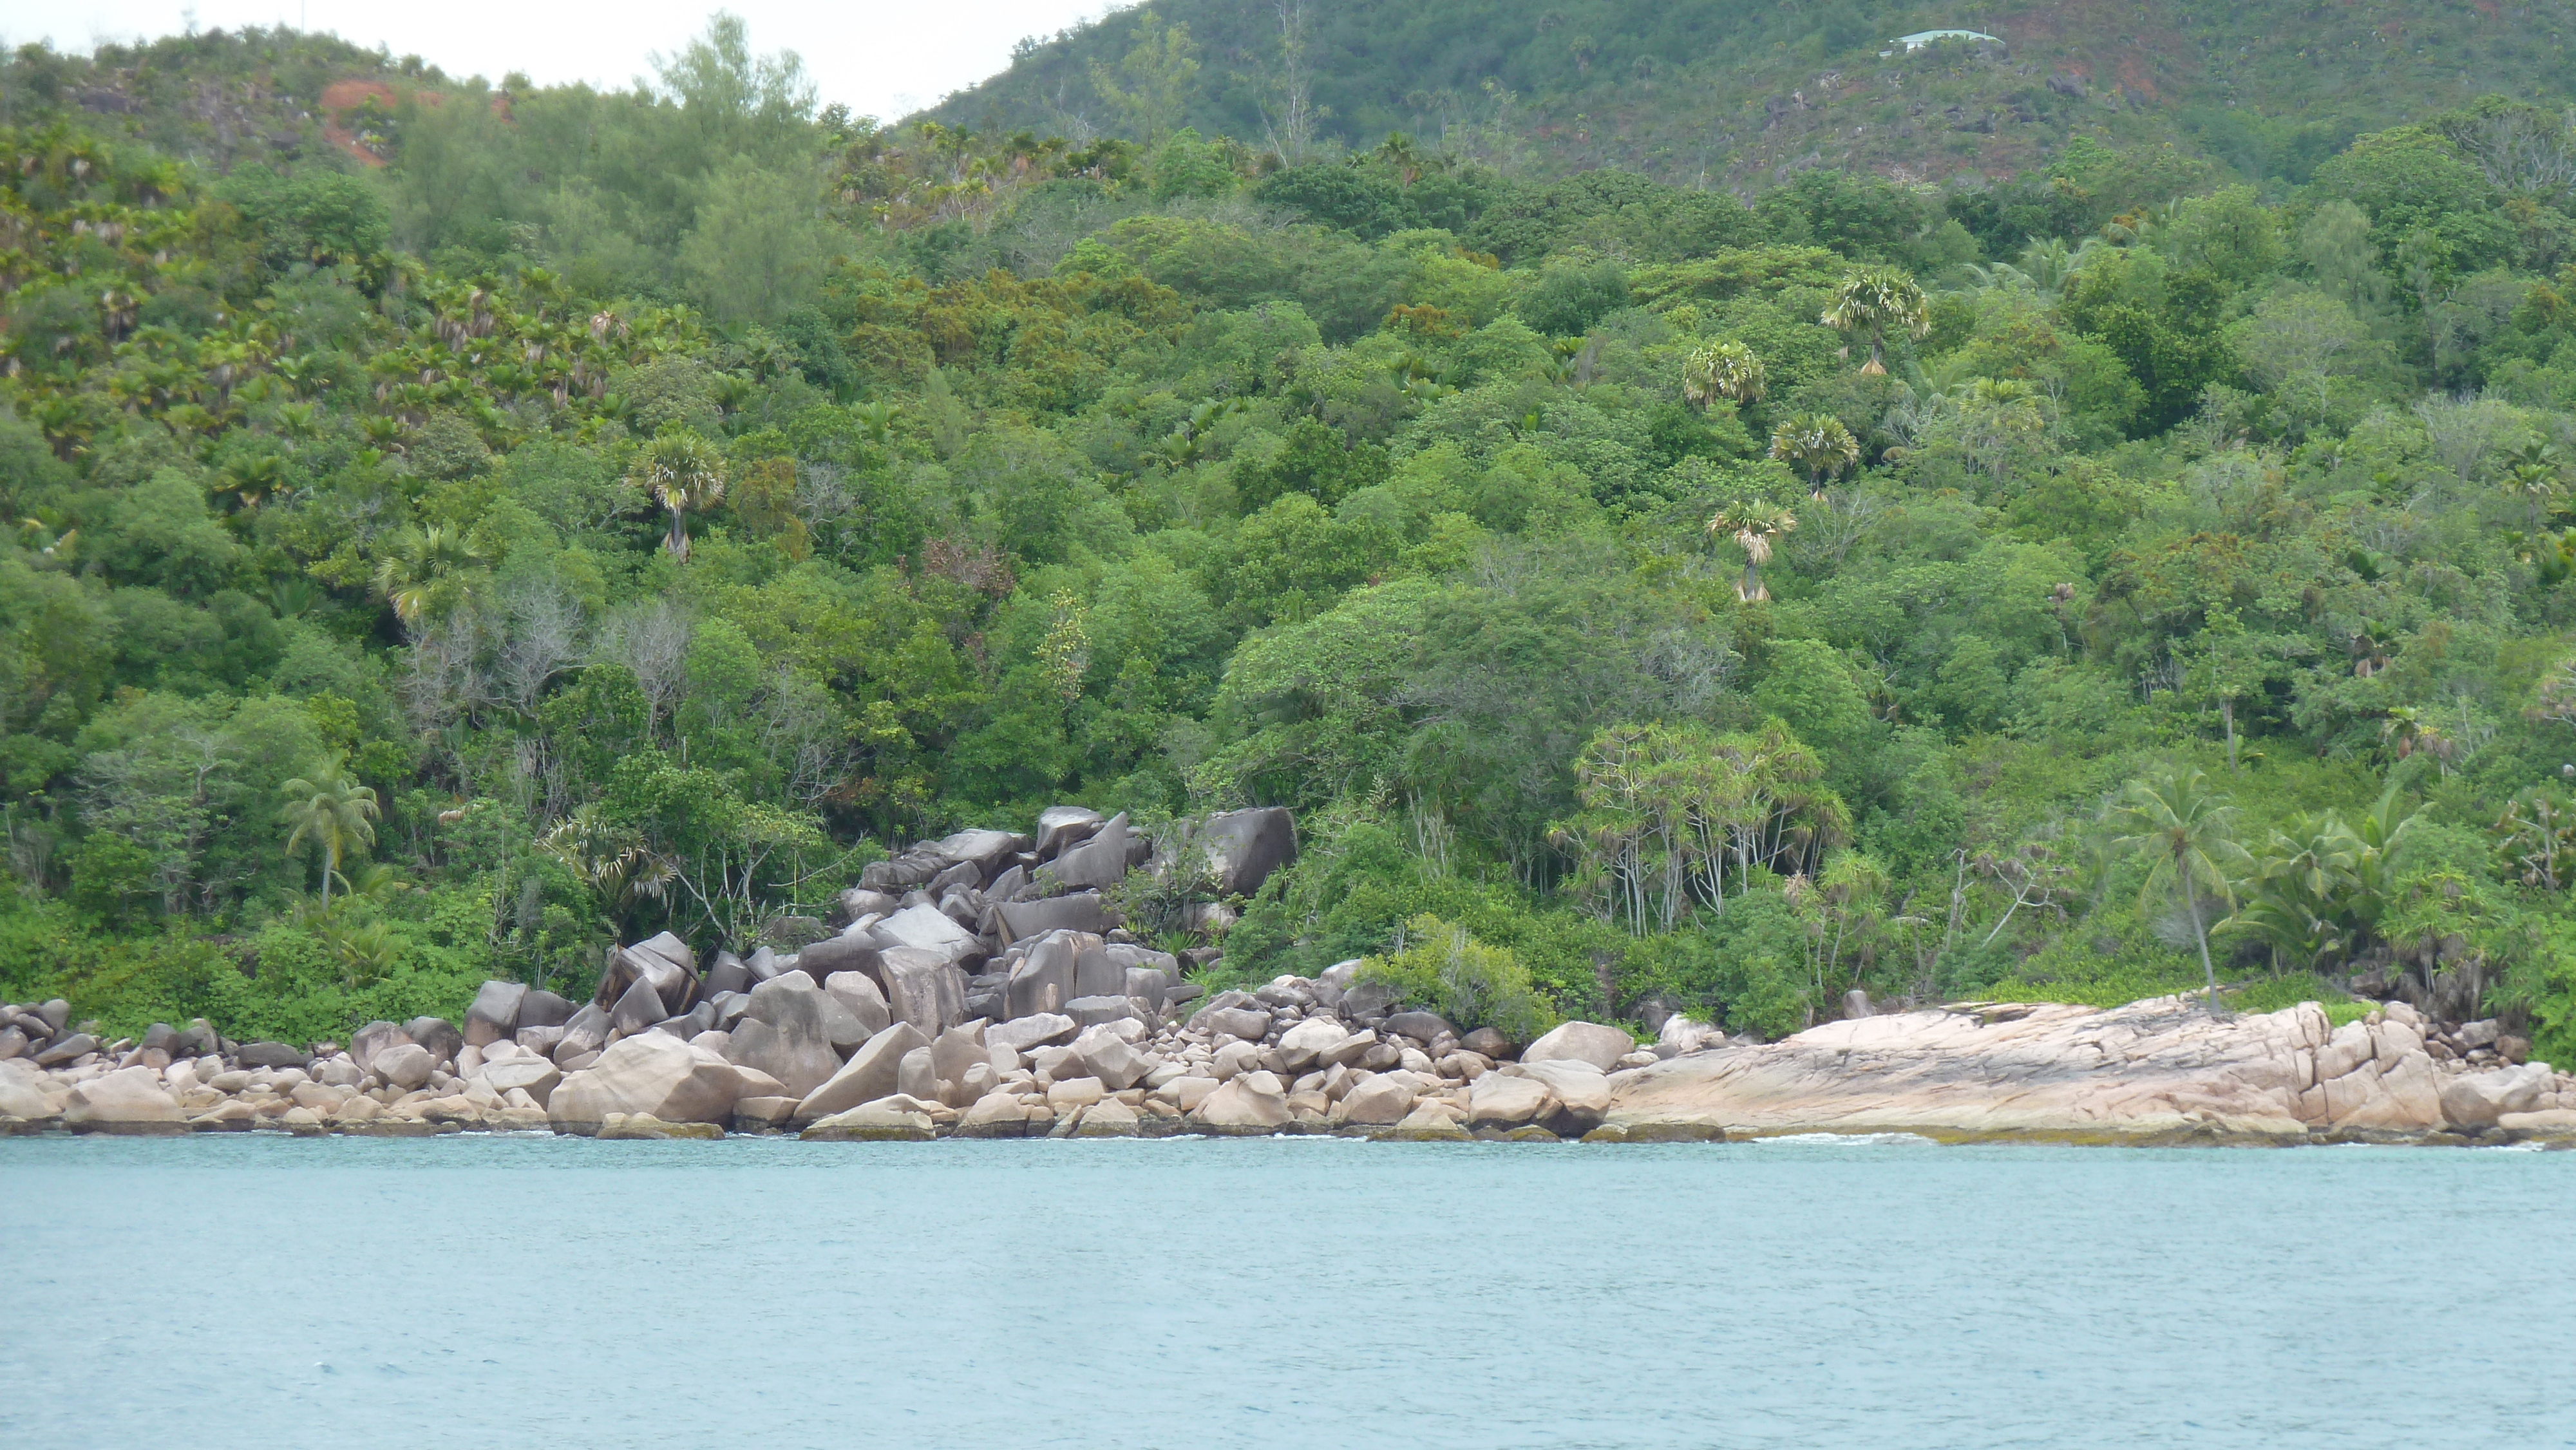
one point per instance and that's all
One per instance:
(1472, 984)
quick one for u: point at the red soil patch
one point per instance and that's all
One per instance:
(341, 98)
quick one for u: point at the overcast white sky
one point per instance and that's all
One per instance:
(880, 57)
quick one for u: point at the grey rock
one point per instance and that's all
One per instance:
(1153, 984)
(861, 901)
(1109, 1058)
(440, 1036)
(1092, 1011)
(984, 849)
(845, 953)
(197, 1039)
(1247, 846)
(1488, 1043)
(543, 1009)
(1081, 911)
(13, 1042)
(953, 1052)
(405, 1065)
(916, 1075)
(861, 996)
(1024, 1034)
(787, 1030)
(585, 1032)
(924, 988)
(1008, 884)
(66, 1049)
(1368, 1002)
(1045, 978)
(1100, 861)
(1592, 1042)
(371, 1039)
(55, 1013)
(1420, 1026)
(278, 1054)
(926, 929)
(1062, 826)
(670, 949)
(729, 974)
(868, 1075)
(495, 1013)
(532, 1075)
(640, 1007)
(1249, 1023)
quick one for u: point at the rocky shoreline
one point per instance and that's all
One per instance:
(982, 986)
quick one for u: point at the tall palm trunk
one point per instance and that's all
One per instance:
(2201, 935)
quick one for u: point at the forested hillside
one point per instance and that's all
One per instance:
(1734, 92)
(589, 513)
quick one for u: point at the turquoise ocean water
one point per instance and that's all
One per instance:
(495, 1292)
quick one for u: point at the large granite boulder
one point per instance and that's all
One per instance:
(787, 1031)
(1047, 974)
(1592, 1042)
(495, 1013)
(1021, 1034)
(2476, 1100)
(987, 851)
(924, 988)
(870, 1074)
(1245, 847)
(1063, 826)
(543, 1009)
(442, 1037)
(128, 1100)
(655, 1074)
(1081, 911)
(862, 996)
(534, 1076)
(927, 929)
(405, 1065)
(1377, 1099)
(1302, 1045)
(1497, 1101)
(1254, 1102)
(1581, 1091)
(1100, 861)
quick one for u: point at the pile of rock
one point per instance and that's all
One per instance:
(983, 986)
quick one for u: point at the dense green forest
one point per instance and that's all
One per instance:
(480, 524)
(1740, 92)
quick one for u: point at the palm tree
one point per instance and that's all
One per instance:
(1754, 526)
(681, 471)
(337, 814)
(1722, 370)
(2185, 830)
(423, 571)
(1818, 445)
(1874, 299)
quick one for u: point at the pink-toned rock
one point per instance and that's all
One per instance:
(2160, 1068)
(128, 1100)
(655, 1074)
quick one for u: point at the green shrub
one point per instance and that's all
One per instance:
(1474, 985)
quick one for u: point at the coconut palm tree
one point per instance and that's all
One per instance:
(1722, 370)
(681, 471)
(335, 813)
(2185, 831)
(1872, 300)
(1754, 526)
(1818, 445)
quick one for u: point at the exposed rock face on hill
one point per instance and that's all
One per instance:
(2159, 1069)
